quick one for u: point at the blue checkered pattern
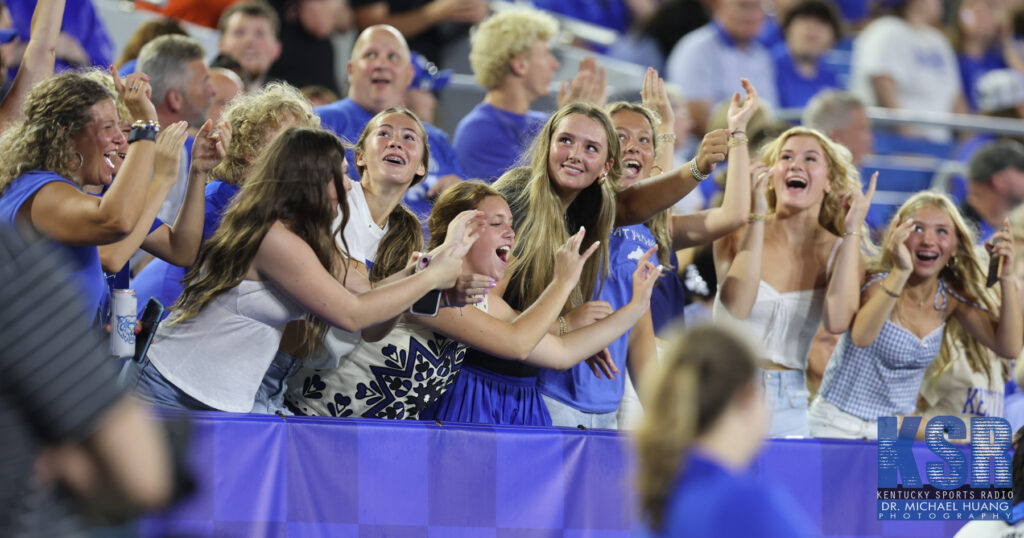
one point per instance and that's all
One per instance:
(882, 379)
(325, 477)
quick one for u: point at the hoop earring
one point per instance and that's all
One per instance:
(81, 162)
(951, 262)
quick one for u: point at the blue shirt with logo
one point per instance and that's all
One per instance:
(578, 386)
(347, 120)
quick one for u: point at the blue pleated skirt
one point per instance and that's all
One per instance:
(482, 396)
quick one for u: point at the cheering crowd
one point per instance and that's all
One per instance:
(348, 259)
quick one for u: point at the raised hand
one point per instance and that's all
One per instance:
(169, 142)
(857, 205)
(136, 93)
(644, 277)
(713, 149)
(895, 244)
(654, 97)
(568, 259)
(1001, 244)
(463, 231)
(739, 113)
(205, 154)
(590, 85)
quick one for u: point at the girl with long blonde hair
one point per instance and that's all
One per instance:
(273, 259)
(926, 293)
(796, 265)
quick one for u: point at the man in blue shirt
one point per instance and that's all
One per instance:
(511, 58)
(811, 28)
(379, 72)
(707, 62)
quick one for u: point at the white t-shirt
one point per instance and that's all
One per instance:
(960, 391)
(920, 61)
(361, 234)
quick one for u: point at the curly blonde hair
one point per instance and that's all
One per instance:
(504, 36)
(251, 117)
(56, 111)
(842, 175)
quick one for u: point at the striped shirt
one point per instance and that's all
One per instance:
(55, 380)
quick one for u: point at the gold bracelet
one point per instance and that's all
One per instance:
(887, 291)
(757, 217)
(660, 171)
(850, 234)
(735, 141)
(671, 137)
(563, 327)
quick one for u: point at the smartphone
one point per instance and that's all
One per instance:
(148, 323)
(427, 305)
(995, 268)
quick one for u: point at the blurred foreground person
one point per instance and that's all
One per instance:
(704, 422)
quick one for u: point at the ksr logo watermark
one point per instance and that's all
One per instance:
(947, 495)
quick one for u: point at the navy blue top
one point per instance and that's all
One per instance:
(795, 90)
(86, 270)
(668, 299)
(347, 120)
(489, 141)
(710, 500)
(972, 69)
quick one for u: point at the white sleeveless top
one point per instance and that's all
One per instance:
(781, 325)
(220, 356)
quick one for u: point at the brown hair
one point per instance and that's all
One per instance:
(147, 32)
(463, 196)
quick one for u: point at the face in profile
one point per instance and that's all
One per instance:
(489, 255)
(99, 143)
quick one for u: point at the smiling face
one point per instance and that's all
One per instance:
(932, 241)
(392, 151)
(636, 138)
(577, 156)
(250, 41)
(380, 70)
(489, 255)
(800, 176)
(98, 143)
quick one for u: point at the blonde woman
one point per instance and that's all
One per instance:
(926, 293)
(705, 420)
(796, 264)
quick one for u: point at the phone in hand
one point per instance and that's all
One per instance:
(148, 323)
(995, 268)
(427, 305)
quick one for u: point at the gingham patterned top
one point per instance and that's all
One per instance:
(883, 379)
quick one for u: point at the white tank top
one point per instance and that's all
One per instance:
(220, 356)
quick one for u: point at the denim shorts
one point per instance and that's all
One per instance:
(154, 388)
(785, 391)
(270, 396)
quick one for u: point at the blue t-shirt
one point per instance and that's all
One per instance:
(163, 280)
(578, 386)
(86, 271)
(668, 299)
(347, 120)
(972, 69)
(710, 500)
(489, 141)
(795, 90)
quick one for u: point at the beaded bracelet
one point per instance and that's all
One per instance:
(670, 137)
(147, 124)
(563, 327)
(757, 217)
(697, 174)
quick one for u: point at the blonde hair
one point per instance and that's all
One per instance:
(702, 371)
(250, 117)
(842, 176)
(288, 184)
(542, 225)
(404, 235)
(56, 111)
(660, 224)
(964, 274)
(504, 36)
(107, 81)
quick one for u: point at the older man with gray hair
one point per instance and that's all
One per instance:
(182, 91)
(842, 116)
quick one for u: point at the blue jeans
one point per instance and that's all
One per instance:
(154, 388)
(786, 392)
(270, 396)
(570, 417)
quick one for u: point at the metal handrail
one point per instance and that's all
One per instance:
(891, 117)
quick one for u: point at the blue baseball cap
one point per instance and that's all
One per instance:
(426, 75)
